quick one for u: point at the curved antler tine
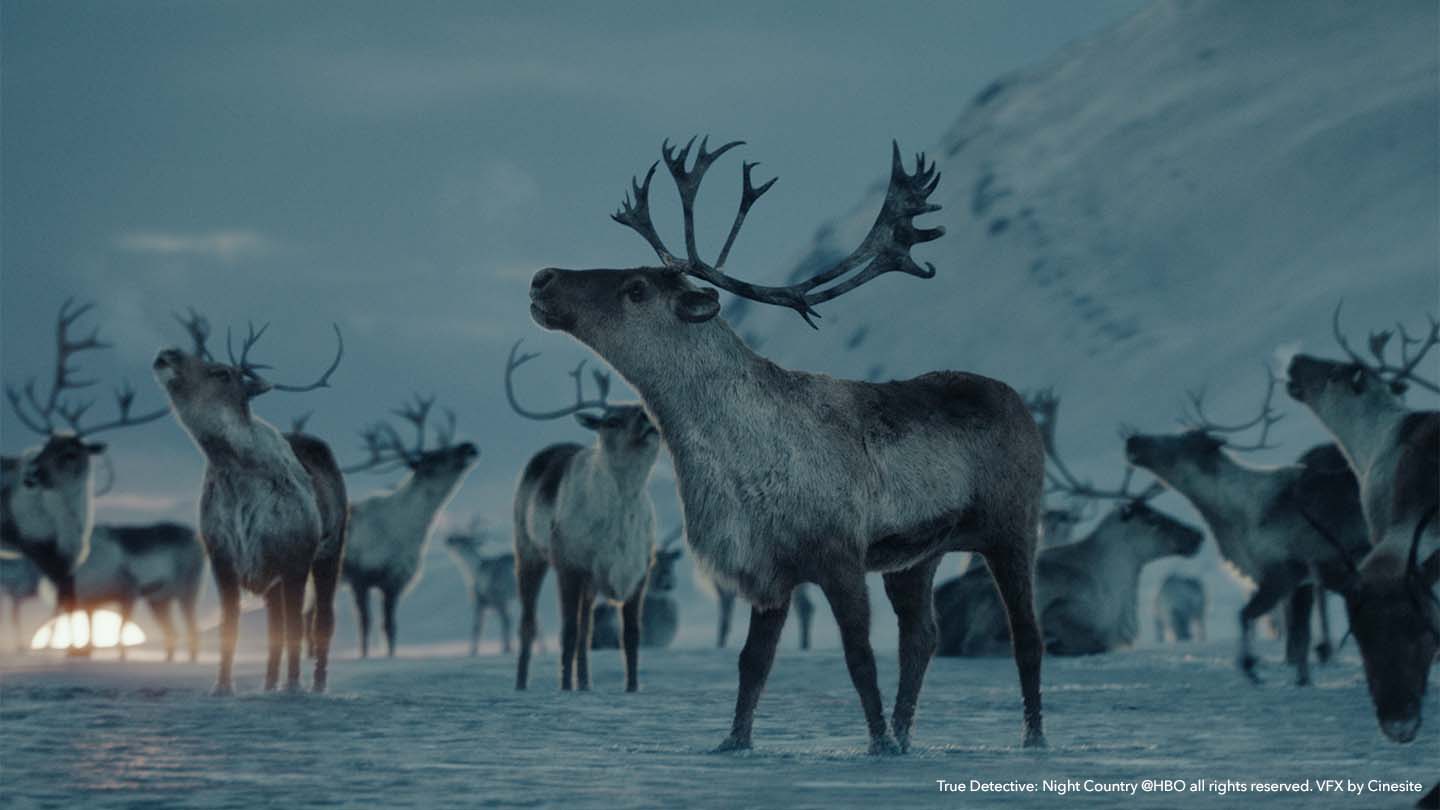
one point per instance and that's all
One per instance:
(749, 193)
(324, 380)
(577, 374)
(1340, 337)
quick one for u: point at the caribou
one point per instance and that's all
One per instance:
(162, 563)
(491, 578)
(20, 581)
(1180, 609)
(659, 616)
(389, 530)
(1395, 453)
(1087, 592)
(788, 477)
(47, 493)
(585, 511)
(272, 505)
(1285, 529)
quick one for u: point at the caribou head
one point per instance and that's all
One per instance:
(1196, 452)
(446, 460)
(1345, 392)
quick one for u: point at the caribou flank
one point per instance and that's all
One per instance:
(1395, 454)
(47, 494)
(1180, 606)
(585, 511)
(1283, 528)
(388, 531)
(491, 578)
(1086, 592)
(272, 507)
(789, 477)
(161, 563)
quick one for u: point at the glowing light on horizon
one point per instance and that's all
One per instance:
(75, 630)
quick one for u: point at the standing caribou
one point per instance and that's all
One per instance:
(20, 581)
(46, 494)
(1180, 607)
(162, 563)
(1086, 592)
(388, 531)
(491, 578)
(1395, 453)
(585, 511)
(272, 506)
(789, 477)
(1283, 528)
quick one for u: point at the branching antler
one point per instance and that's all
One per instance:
(297, 425)
(885, 249)
(252, 370)
(198, 328)
(1195, 417)
(1379, 344)
(386, 449)
(1045, 406)
(516, 360)
(40, 416)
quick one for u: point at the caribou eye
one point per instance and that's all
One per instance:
(218, 373)
(637, 291)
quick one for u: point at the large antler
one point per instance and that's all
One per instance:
(602, 382)
(885, 249)
(252, 370)
(1045, 406)
(198, 328)
(40, 416)
(1379, 343)
(1196, 419)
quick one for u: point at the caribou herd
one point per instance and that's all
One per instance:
(786, 479)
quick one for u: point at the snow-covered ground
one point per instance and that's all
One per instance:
(451, 731)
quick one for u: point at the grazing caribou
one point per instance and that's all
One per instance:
(1180, 608)
(47, 494)
(19, 580)
(491, 578)
(659, 616)
(1086, 592)
(800, 598)
(1395, 453)
(161, 563)
(389, 530)
(789, 477)
(1286, 529)
(585, 510)
(272, 506)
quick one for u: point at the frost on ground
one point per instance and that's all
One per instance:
(449, 731)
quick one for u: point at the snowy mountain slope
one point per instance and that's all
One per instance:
(1159, 208)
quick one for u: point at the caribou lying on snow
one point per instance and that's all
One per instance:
(1395, 453)
(388, 531)
(1086, 592)
(272, 508)
(1180, 608)
(491, 578)
(162, 563)
(46, 495)
(788, 477)
(585, 511)
(1283, 528)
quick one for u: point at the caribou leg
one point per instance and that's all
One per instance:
(160, 608)
(1014, 572)
(1275, 584)
(727, 607)
(630, 626)
(389, 601)
(361, 592)
(583, 628)
(294, 603)
(477, 622)
(326, 573)
(805, 615)
(1324, 649)
(227, 584)
(1297, 632)
(850, 602)
(756, 658)
(912, 596)
(529, 575)
(275, 625)
(504, 612)
(572, 588)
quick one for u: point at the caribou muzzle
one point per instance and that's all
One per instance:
(545, 308)
(1304, 375)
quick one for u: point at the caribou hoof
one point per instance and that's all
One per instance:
(1035, 739)
(1323, 652)
(225, 689)
(884, 746)
(1302, 679)
(732, 743)
(1247, 665)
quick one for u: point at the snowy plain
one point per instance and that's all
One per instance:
(443, 730)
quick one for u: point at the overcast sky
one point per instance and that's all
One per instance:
(402, 169)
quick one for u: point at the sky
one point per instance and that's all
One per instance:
(402, 170)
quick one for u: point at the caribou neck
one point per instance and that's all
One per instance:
(1364, 440)
(427, 493)
(1227, 496)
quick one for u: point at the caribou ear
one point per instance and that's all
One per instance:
(95, 448)
(698, 306)
(590, 421)
(255, 386)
